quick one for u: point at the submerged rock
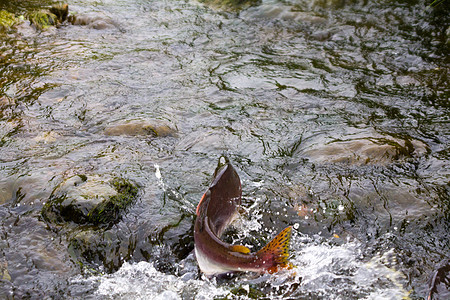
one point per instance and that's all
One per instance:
(47, 137)
(367, 151)
(110, 248)
(94, 21)
(91, 200)
(230, 5)
(141, 128)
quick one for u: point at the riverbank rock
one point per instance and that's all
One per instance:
(141, 128)
(91, 200)
(367, 151)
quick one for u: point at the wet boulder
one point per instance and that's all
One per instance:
(49, 17)
(92, 21)
(141, 128)
(367, 151)
(230, 5)
(42, 19)
(108, 248)
(91, 200)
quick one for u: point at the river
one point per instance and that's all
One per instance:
(334, 113)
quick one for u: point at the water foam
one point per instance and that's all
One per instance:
(341, 272)
(322, 271)
(142, 281)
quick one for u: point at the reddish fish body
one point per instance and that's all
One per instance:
(216, 210)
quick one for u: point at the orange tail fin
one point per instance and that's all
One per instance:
(278, 249)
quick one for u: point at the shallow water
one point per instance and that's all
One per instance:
(334, 113)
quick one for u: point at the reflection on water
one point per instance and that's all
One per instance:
(334, 113)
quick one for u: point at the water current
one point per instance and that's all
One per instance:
(335, 114)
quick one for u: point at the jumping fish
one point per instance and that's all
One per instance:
(215, 211)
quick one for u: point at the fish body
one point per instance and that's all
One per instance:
(216, 210)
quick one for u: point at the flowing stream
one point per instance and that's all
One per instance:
(334, 113)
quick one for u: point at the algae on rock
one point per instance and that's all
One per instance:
(42, 19)
(7, 20)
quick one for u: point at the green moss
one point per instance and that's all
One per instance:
(42, 19)
(109, 210)
(7, 20)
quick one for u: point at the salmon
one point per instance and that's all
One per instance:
(216, 210)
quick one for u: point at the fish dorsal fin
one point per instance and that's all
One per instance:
(240, 249)
(278, 250)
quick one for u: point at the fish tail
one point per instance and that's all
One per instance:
(277, 251)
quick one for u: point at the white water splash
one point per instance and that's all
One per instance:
(142, 281)
(323, 271)
(158, 173)
(340, 272)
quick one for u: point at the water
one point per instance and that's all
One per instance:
(334, 113)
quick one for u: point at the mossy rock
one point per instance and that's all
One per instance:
(93, 248)
(7, 20)
(90, 200)
(43, 19)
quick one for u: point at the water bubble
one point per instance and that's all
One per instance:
(296, 226)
